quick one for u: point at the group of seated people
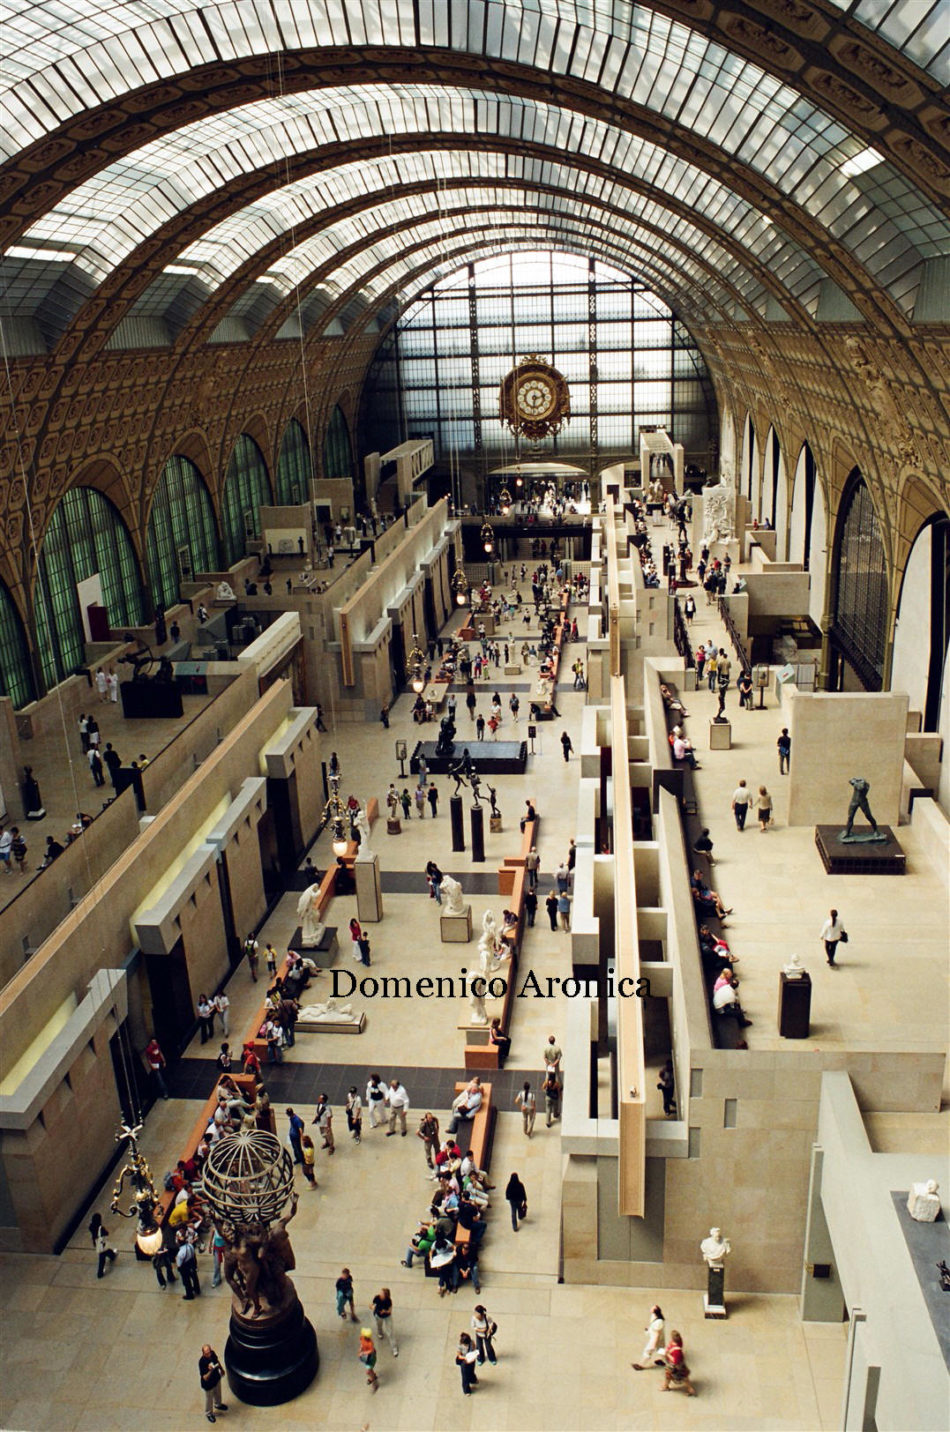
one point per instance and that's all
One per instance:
(721, 979)
(460, 1201)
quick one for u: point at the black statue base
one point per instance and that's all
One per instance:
(272, 1363)
(492, 758)
(861, 857)
(323, 954)
(714, 1301)
(147, 700)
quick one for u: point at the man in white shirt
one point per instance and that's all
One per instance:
(831, 932)
(466, 1106)
(222, 1004)
(683, 751)
(6, 841)
(741, 797)
(398, 1101)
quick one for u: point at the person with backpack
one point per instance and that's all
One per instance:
(100, 1241)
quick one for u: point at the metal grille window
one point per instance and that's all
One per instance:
(644, 367)
(182, 534)
(85, 538)
(246, 487)
(861, 607)
(293, 465)
(16, 677)
(337, 454)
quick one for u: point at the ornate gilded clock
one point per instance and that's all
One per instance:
(534, 399)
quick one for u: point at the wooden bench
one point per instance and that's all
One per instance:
(512, 884)
(481, 1133)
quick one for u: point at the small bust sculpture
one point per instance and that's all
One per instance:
(452, 896)
(308, 913)
(794, 969)
(715, 1248)
(923, 1201)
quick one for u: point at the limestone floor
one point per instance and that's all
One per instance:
(78, 1353)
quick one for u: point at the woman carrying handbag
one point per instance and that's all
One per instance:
(484, 1330)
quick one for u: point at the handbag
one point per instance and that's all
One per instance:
(843, 937)
(523, 1210)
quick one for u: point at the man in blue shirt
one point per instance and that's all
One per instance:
(296, 1133)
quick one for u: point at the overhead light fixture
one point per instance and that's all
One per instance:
(488, 537)
(334, 815)
(460, 586)
(504, 501)
(145, 1199)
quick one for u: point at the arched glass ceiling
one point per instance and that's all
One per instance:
(383, 268)
(62, 58)
(102, 220)
(276, 217)
(296, 267)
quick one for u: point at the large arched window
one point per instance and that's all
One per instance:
(246, 488)
(16, 677)
(859, 631)
(337, 455)
(87, 558)
(182, 536)
(293, 465)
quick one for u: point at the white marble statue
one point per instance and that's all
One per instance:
(719, 506)
(451, 892)
(226, 592)
(329, 1013)
(923, 1201)
(489, 926)
(715, 1249)
(308, 913)
(794, 969)
(362, 825)
(479, 1012)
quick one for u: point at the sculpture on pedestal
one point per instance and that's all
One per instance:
(495, 812)
(859, 802)
(329, 1013)
(225, 592)
(446, 742)
(271, 1355)
(451, 892)
(308, 913)
(362, 826)
(715, 1249)
(465, 766)
(719, 505)
(477, 1004)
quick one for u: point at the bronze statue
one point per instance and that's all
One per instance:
(859, 802)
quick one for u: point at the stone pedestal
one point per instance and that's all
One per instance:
(456, 929)
(478, 833)
(369, 890)
(457, 818)
(494, 824)
(273, 1361)
(393, 826)
(720, 735)
(714, 1302)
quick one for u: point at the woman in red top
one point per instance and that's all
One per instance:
(677, 1373)
(356, 934)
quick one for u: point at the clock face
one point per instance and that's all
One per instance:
(535, 397)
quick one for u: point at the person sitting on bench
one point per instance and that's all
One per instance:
(671, 702)
(467, 1105)
(683, 750)
(707, 899)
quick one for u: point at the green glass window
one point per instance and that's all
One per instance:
(16, 677)
(246, 487)
(337, 454)
(182, 534)
(861, 608)
(85, 538)
(293, 465)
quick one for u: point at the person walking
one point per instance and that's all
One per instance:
(368, 1357)
(677, 1373)
(689, 610)
(252, 956)
(741, 798)
(479, 727)
(784, 745)
(222, 1008)
(566, 745)
(95, 766)
(155, 1060)
(344, 1296)
(354, 1113)
(564, 910)
(528, 1104)
(428, 1132)
(295, 1135)
(112, 759)
(398, 1101)
(100, 1241)
(833, 932)
(466, 1356)
(383, 1315)
(530, 905)
(532, 863)
(309, 1157)
(653, 1348)
(484, 1329)
(18, 849)
(405, 801)
(186, 1261)
(420, 799)
(517, 1198)
(323, 1118)
(356, 933)
(205, 1018)
(764, 809)
(432, 796)
(551, 1089)
(375, 1101)
(550, 904)
(270, 959)
(211, 1373)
